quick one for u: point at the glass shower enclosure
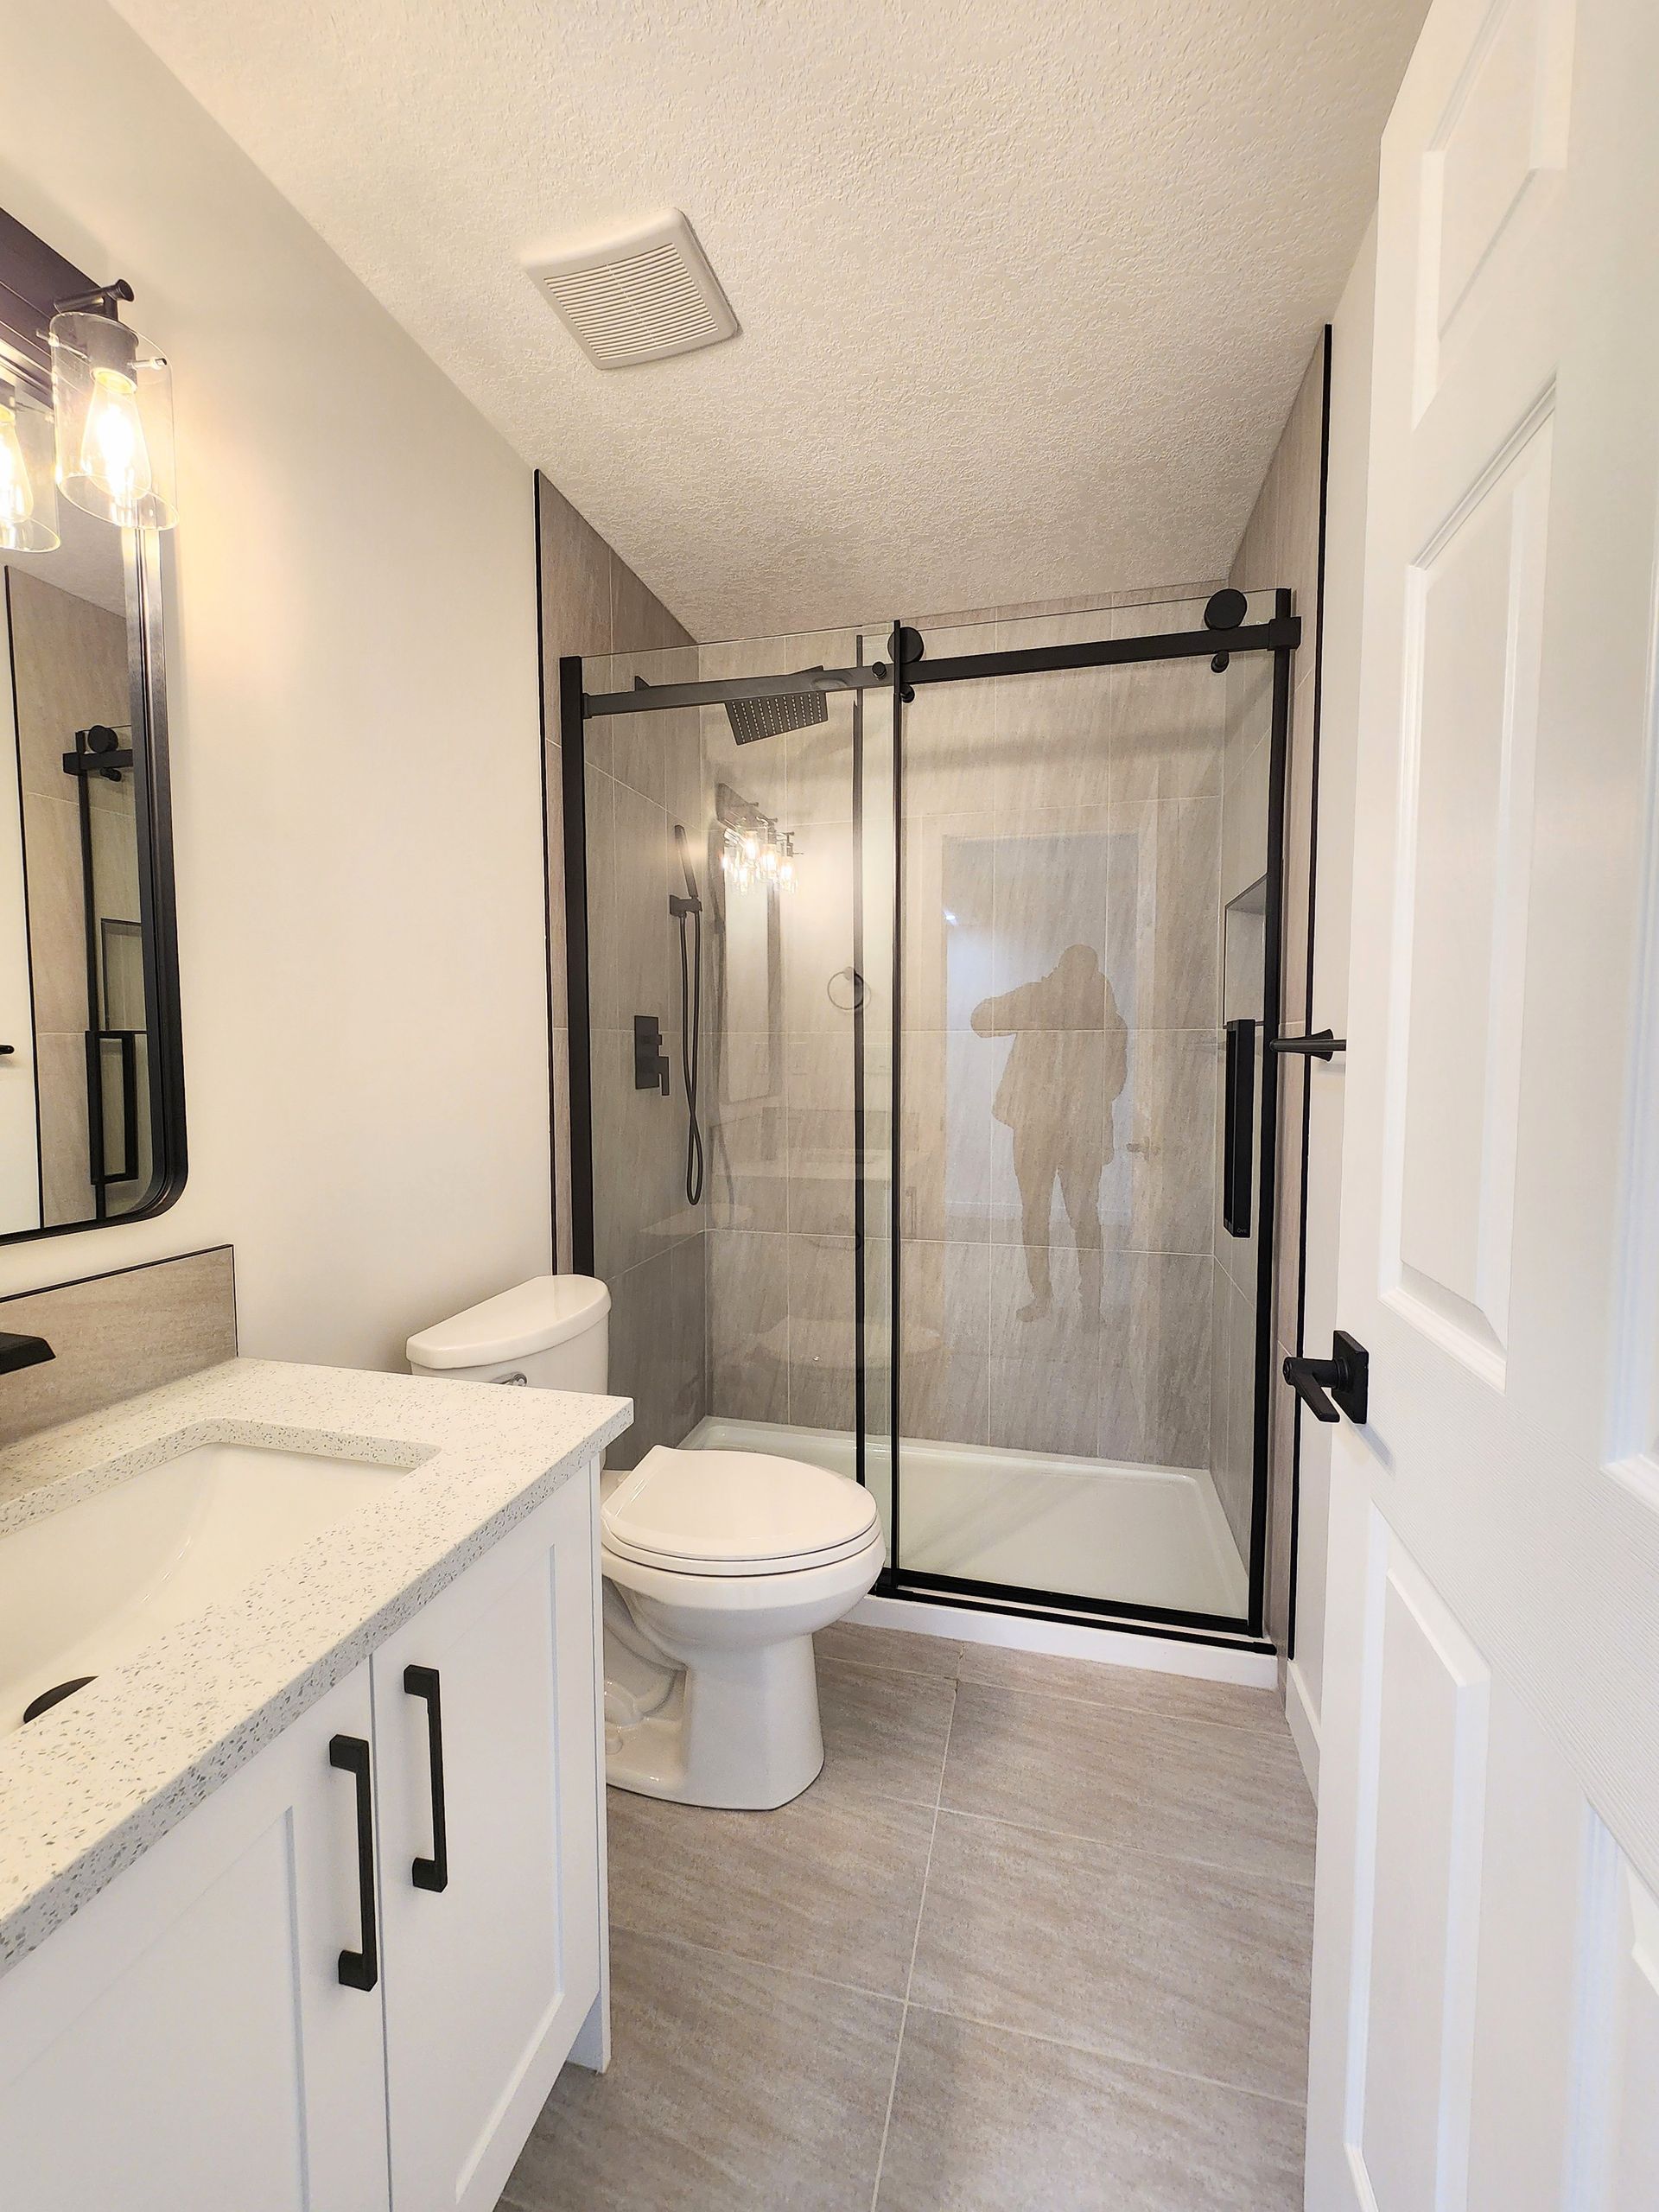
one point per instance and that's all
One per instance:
(980, 1079)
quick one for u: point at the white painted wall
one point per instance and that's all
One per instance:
(1350, 407)
(355, 734)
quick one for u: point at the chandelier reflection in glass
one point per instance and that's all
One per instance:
(756, 853)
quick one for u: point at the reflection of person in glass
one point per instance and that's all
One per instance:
(1067, 1064)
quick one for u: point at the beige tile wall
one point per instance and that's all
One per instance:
(1062, 874)
(1280, 546)
(116, 1334)
(643, 773)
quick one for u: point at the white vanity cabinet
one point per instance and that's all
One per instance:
(184, 2039)
(198, 2034)
(489, 1977)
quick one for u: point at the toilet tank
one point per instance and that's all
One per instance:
(552, 1332)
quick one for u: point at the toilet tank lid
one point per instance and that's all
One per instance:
(532, 1316)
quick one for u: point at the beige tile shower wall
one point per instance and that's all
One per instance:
(1280, 546)
(644, 773)
(69, 661)
(1062, 869)
(1038, 816)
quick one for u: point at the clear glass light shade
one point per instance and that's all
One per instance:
(28, 494)
(112, 395)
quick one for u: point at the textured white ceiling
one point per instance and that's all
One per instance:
(1025, 290)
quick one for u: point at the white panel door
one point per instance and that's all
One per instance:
(186, 2041)
(490, 1976)
(1484, 2030)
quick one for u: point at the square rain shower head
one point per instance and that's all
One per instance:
(752, 718)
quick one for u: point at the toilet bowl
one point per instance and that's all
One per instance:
(719, 1567)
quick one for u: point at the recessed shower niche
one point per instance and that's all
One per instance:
(977, 921)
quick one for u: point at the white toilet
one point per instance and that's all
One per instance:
(719, 1567)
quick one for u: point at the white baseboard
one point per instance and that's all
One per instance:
(1304, 1724)
(1109, 1647)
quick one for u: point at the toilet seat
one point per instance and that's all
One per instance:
(734, 1513)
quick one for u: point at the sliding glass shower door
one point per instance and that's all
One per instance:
(921, 1120)
(1085, 892)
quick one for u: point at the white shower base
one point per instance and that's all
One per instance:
(1033, 1521)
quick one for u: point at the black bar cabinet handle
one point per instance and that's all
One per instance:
(1239, 1131)
(359, 1969)
(431, 1873)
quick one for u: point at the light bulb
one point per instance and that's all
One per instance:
(751, 847)
(113, 453)
(17, 493)
(786, 873)
(769, 861)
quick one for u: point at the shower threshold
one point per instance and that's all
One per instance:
(1098, 1531)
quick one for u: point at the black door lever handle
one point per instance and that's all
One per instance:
(1345, 1375)
(1319, 1045)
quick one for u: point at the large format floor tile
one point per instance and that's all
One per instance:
(730, 2086)
(891, 1650)
(832, 1885)
(984, 2120)
(1159, 1959)
(1073, 1902)
(1231, 1796)
(883, 1734)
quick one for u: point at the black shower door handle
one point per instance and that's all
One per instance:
(1239, 1128)
(361, 1969)
(431, 1873)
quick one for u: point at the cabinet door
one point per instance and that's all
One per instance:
(186, 2040)
(490, 1975)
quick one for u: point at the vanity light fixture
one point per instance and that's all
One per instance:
(112, 396)
(29, 496)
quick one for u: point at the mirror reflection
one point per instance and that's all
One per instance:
(76, 1143)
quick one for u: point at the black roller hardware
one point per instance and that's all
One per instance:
(431, 1873)
(1345, 1375)
(359, 1969)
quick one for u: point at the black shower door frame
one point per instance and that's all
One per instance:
(910, 667)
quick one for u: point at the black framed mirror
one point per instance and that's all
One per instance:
(92, 1080)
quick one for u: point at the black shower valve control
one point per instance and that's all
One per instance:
(649, 1060)
(1346, 1375)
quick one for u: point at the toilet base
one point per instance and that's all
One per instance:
(738, 1730)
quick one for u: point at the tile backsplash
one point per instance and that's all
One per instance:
(115, 1335)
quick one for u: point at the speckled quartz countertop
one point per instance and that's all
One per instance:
(89, 1786)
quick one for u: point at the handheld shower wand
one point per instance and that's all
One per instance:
(689, 908)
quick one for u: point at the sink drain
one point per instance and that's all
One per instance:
(48, 1698)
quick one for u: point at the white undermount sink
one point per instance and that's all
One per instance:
(84, 1589)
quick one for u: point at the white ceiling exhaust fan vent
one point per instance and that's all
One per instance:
(638, 297)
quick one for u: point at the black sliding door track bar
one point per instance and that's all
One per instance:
(1283, 633)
